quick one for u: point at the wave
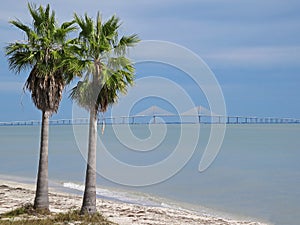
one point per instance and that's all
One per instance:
(118, 195)
(144, 199)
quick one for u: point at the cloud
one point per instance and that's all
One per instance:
(206, 23)
(258, 56)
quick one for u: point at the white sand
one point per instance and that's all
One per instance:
(14, 195)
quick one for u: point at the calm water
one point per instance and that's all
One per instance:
(256, 174)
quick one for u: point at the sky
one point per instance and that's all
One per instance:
(251, 46)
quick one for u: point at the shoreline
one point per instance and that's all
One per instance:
(15, 194)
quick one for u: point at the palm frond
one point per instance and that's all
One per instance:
(98, 24)
(21, 26)
(69, 25)
(111, 26)
(19, 57)
(33, 12)
(124, 43)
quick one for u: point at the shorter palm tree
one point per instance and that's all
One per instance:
(42, 52)
(101, 57)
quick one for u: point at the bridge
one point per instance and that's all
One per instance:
(202, 119)
(156, 115)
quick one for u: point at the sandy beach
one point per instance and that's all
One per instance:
(14, 195)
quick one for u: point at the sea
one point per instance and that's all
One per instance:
(255, 175)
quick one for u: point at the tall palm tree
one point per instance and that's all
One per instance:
(107, 72)
(42, 53)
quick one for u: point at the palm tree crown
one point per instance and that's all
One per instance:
(102, 57)
(42, 53)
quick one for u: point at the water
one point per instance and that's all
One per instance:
(256, 174)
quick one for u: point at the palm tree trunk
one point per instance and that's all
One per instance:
(89, 197)
(41, 196)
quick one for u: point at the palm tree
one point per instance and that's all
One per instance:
(107, 72)
(42, 54)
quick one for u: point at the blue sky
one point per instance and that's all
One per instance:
(252, 46)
